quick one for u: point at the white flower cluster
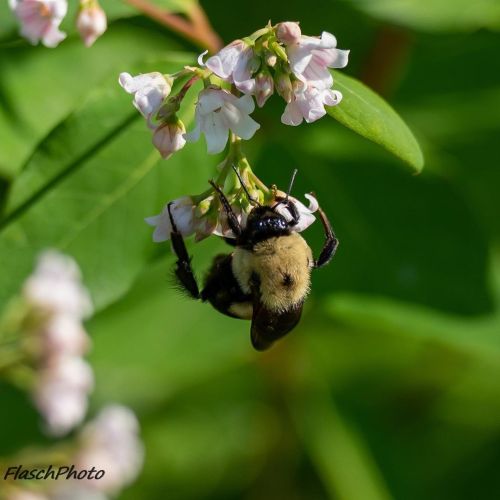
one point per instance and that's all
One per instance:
(188, 222)
(40, 20)
(110, 443)
(63, 378)
(278, 57)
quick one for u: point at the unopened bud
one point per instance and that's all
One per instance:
(169, 137)
(264, 88)
(91, 22)
(288, 33)
(284, 87)
(271, 59)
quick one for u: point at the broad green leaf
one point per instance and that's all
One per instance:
(59, 80)
(101, 117)
(365, 112)
(96, 212)
(435, 15)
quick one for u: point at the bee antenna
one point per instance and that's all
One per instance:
(250, 199)
(291, 183)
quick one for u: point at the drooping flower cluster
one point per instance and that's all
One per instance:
(60, 303)
(109, 443)
(40, 20)
(277, 58)
(205, 217)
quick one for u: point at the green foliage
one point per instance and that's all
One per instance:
(389, 386)
(435, 15)
(370, 116)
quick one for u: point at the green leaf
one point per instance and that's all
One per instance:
(435, 15)
(93, 205)
(41, 87)
(365, 112)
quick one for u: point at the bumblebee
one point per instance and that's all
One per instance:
(267, 277)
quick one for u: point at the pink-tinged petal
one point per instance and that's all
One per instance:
(194, 135)
(216, 133)
(242, 74)
(91, 24)
(154, 220)
(241, 124)
(245, 104)
(332, 97)
(313, 203)
(328, 41)
(168, 138)
(224, 62)
(149, 89)
(288, 32)
(332, 58)
(211, 100)
(292, 115)
(53, 36)
(200, 58)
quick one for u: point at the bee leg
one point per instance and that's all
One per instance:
(232, 220)
(294, 213)
(183, 270)
(331, 242)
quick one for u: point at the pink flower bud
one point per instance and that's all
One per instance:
(288, 33)
(91, 23)
(264, 88)
(169, 138)
(284, 86)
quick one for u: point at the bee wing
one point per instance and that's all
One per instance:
(269, 326)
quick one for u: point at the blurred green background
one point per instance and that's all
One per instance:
(390, 386)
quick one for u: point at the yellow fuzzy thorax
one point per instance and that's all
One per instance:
(283, 265)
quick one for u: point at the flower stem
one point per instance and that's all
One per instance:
(197, 29)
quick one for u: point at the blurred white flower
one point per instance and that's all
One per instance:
(61, 392)
(235, 64)
(219, 111)
(91, 22)
(309, 104)
(55, 286)
(168, 137)
(111, 443)
(40, 20)
(74, 491)
(149, 89)
(62, 379)
(24, 494)
(306, 217)
(63, 335)
(310, 57)
(182, 210)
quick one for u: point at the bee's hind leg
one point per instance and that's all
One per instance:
(331, 242)
(183, 271)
